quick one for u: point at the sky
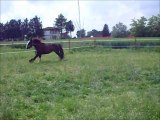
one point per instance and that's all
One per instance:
(93, 13)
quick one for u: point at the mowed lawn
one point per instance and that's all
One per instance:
(89, 84)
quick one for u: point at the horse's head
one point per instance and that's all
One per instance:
(29, 44)
(32, 42)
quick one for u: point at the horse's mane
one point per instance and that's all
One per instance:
(36, 40)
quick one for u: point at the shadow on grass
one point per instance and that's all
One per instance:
(49, 61)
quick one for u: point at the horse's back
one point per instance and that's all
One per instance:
(48, 48)
(44, 48)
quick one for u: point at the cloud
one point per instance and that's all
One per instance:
(94, 14)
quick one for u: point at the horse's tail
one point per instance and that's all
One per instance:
(59, 50)
(61, 53)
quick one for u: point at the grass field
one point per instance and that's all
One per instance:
(89, 84)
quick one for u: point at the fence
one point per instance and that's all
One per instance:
(95, 42)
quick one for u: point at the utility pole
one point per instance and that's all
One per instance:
(79, 18)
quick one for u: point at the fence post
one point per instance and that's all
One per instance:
(135, 43)
(69, 44)
(94, 44)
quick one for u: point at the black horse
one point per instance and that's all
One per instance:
(42, 48)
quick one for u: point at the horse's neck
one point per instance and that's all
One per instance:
(38, 46)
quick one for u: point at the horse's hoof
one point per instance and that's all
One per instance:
(30, 61)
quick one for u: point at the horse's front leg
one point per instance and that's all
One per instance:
(31, 60)
(39, 58)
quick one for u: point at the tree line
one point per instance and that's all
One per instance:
(18, 29)
(142, 27)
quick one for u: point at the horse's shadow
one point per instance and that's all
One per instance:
(45, 62)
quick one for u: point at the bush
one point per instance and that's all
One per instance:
(127, 44)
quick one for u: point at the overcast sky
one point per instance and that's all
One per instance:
(93, 13)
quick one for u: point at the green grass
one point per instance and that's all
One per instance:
(89, 84)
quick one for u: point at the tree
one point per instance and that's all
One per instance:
(25, 28)
(13, 29)
(6, 31)
(119, 30)
(18, 31)
(35, 27)
(89, 34)
(153, 26)
(138, 27)
(1, 31)
(94, 33)
(69, 27)
(105, 31)
(81, 33)
(60, 23)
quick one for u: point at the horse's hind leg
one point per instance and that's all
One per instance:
(39, 58)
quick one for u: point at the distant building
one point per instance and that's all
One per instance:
(51, 33)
